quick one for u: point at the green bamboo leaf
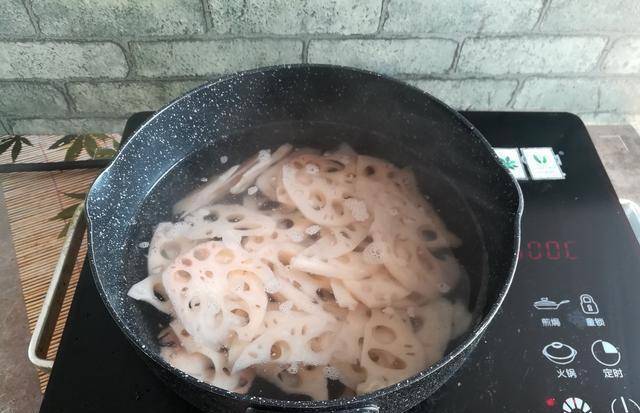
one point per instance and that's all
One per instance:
(65, 140)
(65, 213)
(64, 230)
(74, 150)
(15, 151)
(79, 195)
(25, 141)
(90, 145)
(5, 144)
(104, 153)
(102, 137)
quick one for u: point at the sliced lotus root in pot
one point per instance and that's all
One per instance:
(291, 337)
(216, 189)
(219, 371)
(151, 290)
(461, 319)
(234, 221)
(433, 326)
(278, 257)
(410, 260)
(393, 191)
(289, 229)
(217, 291)
(270, 181)
(264, 160)
(342, 295)
(166, 244)
(202, 368)
(336, 241)
(168, 241)
(319, 187)
(390, 352)
(350, 374)
(348, 342)
(377, 290)
(350, 266)
(306, 380)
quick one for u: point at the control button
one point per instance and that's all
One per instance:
(588, 304)
(510, 159)
(545, 304)
(559, 353)
(575, 405)
(605, 353)
(542, 163)
(624, 405)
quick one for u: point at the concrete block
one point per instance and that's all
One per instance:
(204, 58)
(25, 98)
(410, 56)
(470, 94)
(61, 60)
(530, 54)
(292, 17)
(461, 16)
(126, 97)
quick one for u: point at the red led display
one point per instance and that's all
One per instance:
(550, 250)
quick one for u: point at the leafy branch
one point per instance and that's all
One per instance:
(15, 143)
(67, 213)
(75, 144)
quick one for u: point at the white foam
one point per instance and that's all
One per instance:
(357, 208)
(293, 368)
(252, 190)
(224, 159)
(411, 312)
(286, 306)
(372, 254)
(264, 155)
(313, 229)
(295, 235)
(331, 372)
(143, 244)
(312, 168)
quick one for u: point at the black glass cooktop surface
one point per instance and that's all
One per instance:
(566, 340)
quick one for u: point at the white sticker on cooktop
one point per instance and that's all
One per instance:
(510, 158)
(542, 163)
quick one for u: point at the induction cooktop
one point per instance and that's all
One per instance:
(566, 340)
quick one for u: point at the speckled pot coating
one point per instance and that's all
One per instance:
(405, 125)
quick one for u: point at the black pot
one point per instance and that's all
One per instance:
(308, 105)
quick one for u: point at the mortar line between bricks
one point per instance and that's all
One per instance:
(305, 51)
(456, 56)
(60, 87)
(128, 57)
(605, 52)
(546, 4)
(71, 104)
(403, 76)
(33, 18)
(206, 14)
(384, 15)
(512, 100)
(319, 36)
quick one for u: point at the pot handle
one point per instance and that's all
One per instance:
(39, 343)
(372, 408)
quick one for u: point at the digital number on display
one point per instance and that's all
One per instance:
(551, 250)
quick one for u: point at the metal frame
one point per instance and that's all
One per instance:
(42, 334)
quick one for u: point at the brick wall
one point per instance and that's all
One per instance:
(84, 65)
